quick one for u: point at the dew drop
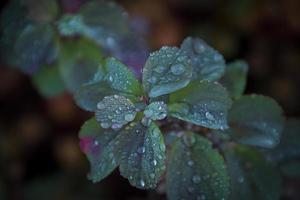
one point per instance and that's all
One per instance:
(116, 126)
(142, 182)
(177, 69)
(152, 175)
(141, 150)
(241, 179)
(129, 117)
(152, 80)
(209, 116)
(154, 162)
(160, 69)
(196, 179)
(100, 105)
(148, 113)
(105, 125)
(190, 163)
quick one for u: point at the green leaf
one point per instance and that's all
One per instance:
(156, 110)
(166, 71)
(202, 103)
(88, 95)
(140, 152)
(115, 111)
(235, 78)
(256, 120)
(207, 63)
(195, 170)
(35, 46)
(289, 147)
(291, 169)
(13, 22)
(94, 21)
(48, 81)
(78, 62)
(111, 78)
(252, 177)
(121, 78)
(97, 144)
(42, 10)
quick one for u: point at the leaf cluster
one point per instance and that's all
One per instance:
(218, 157)
(62, 50)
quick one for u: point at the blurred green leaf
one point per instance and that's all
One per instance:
(256, 120)
(252, 177)
(196, 171)
(235, 78)
(94, 20)
(12, 23)
(140, 152)
(289, 146)
(291, 169)
(97, 144)
(42, 10)
(166, 71)
(207, 63)
(78, 62)
(203, 103)
(48, 81)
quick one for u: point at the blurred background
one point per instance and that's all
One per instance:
(39, 146)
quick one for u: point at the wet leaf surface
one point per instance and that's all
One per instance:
(202, 103)
(196, 171)
(207, 63)
(166, 71)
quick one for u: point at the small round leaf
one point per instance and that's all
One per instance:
(207, 63)
(196, 171)
(166, 71)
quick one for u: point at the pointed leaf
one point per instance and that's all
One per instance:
(79, 61)
(203, 103)
(140, 152)
(48, 81)
(166, 71)
(235, 77)
(97, 144)
(256, 120)
(252, 177)
(35, 46)
(121, 78)
(115, 111)
(207, 63)
(196, 171)
(111, 78)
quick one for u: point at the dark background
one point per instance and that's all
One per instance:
(39, 151)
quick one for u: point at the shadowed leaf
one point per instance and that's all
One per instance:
(256, 120)
(207, 63)
(196, 171)
(252, 177)
(203, 103)
(140, 152)
(97, 144)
